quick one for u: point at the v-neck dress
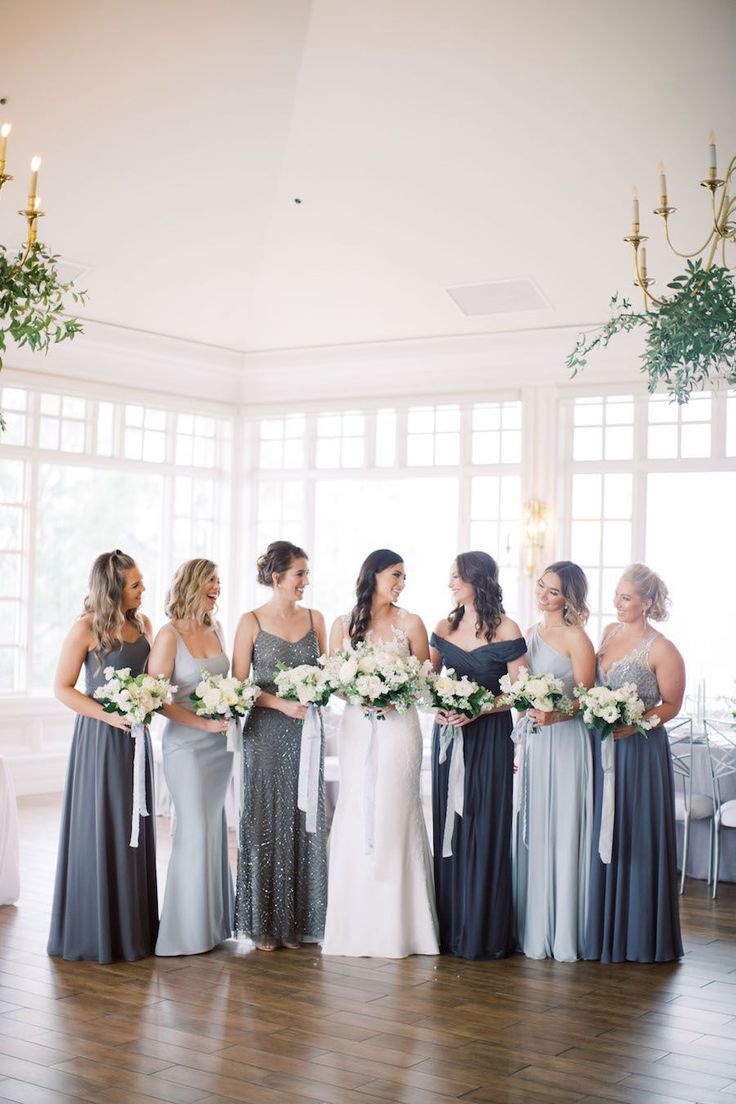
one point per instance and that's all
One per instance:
(473, 885)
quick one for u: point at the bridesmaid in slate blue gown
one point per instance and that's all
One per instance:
(473, 885)
(633, 913)
(105, 900)
(552, 838)
(198, 901)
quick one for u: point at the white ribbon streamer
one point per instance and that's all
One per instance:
(138, 733)
(309, 757)
(233, 735)
(451, 735)
(608, 804)
(520, 734)
(369, 784)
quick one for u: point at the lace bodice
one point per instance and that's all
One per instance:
(633, 667)
(400, 636)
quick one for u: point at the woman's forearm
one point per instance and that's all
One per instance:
(80, 703)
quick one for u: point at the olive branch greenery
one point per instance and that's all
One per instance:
(690, 338)
(32, 300)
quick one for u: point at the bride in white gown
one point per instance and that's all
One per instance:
(380, 897)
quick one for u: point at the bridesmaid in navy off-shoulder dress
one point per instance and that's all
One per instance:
(473, 885)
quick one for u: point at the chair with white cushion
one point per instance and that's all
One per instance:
(690, 806)
(723, 756)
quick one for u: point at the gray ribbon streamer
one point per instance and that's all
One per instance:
(608, 804)
(369, 784)
(140, 808)
(309, 756)
(451, 736)
(520, 735)
(233, 735)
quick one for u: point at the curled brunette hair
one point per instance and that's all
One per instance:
(650, 588)
(103, 602)
(481, 571)
(374, 564)
(574, 587)
(185, 598)
(278, 557)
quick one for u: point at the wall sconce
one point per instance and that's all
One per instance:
(534, 533)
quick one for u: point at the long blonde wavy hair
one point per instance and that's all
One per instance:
(103, 602)
(186, 598)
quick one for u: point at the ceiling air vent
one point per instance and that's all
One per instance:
(498, 297)
(72, 271)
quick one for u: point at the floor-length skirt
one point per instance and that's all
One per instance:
(198, 900)
(474, 889)
(105, 900)
(633, 913)
(552, 842)
(380, 899)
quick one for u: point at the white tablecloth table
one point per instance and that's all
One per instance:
(697, 858)
(9, 855)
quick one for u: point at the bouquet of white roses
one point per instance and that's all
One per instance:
(543, 692)
(457, 694)
(307, 684)
(603, 709)
(223, 697)
(136, 697)
(376, 676)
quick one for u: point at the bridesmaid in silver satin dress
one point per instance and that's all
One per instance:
(633, 913)
(553, 831)
(282, 868)
(198, 902)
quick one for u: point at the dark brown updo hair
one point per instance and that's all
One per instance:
(278, 557)
(374, 564)
(574, 587)
(481, 571)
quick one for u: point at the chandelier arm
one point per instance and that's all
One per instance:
(644, 283)
(686, 256)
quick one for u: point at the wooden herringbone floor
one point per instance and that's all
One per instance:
(290, 1027)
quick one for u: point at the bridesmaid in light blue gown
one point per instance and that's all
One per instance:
(198, 902)
(553, 830)
(633, 914)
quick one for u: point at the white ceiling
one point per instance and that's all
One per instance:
(432, 144)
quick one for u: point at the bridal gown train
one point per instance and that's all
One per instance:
(380, 901)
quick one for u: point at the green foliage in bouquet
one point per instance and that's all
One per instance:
(690, 338)
(32, 299)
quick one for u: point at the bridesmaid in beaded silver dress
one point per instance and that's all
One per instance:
(633, 913)
(281, 894)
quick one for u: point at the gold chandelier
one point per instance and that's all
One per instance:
(722, 230)
(32, 211)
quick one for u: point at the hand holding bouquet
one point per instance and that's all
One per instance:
(544, 693)
(308, 684)
(455, 694)
(134, 697)
(376, 677)
(309, 687)
(604, 709)
(224, 698)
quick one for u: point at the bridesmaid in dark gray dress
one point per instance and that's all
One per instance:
(105, 900)
(281, 894)
(633, 912)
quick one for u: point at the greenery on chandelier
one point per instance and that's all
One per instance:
(32, 300)
(690, 337)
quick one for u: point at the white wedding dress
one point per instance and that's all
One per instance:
(380, 896)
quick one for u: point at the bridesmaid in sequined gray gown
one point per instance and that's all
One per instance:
(633, 913)
(281, 894)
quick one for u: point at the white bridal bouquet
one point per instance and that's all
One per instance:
(543, 692)
(136, 697)
(455, 694)
(603, 709)
(307, 684)
(376, 676)
(222, 697)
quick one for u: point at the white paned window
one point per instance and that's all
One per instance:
(496, 433)
(679, 431)
(495, 527)
(62, 423)
(280, 509)
(145, 434)
(12, 519)
(600, 536)
(196, 440)
(341, 440)
(604, 428)
(197, 515)
(433, 436)
(281, 442)
(731, 424)
(15, 407)
(385, 438)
